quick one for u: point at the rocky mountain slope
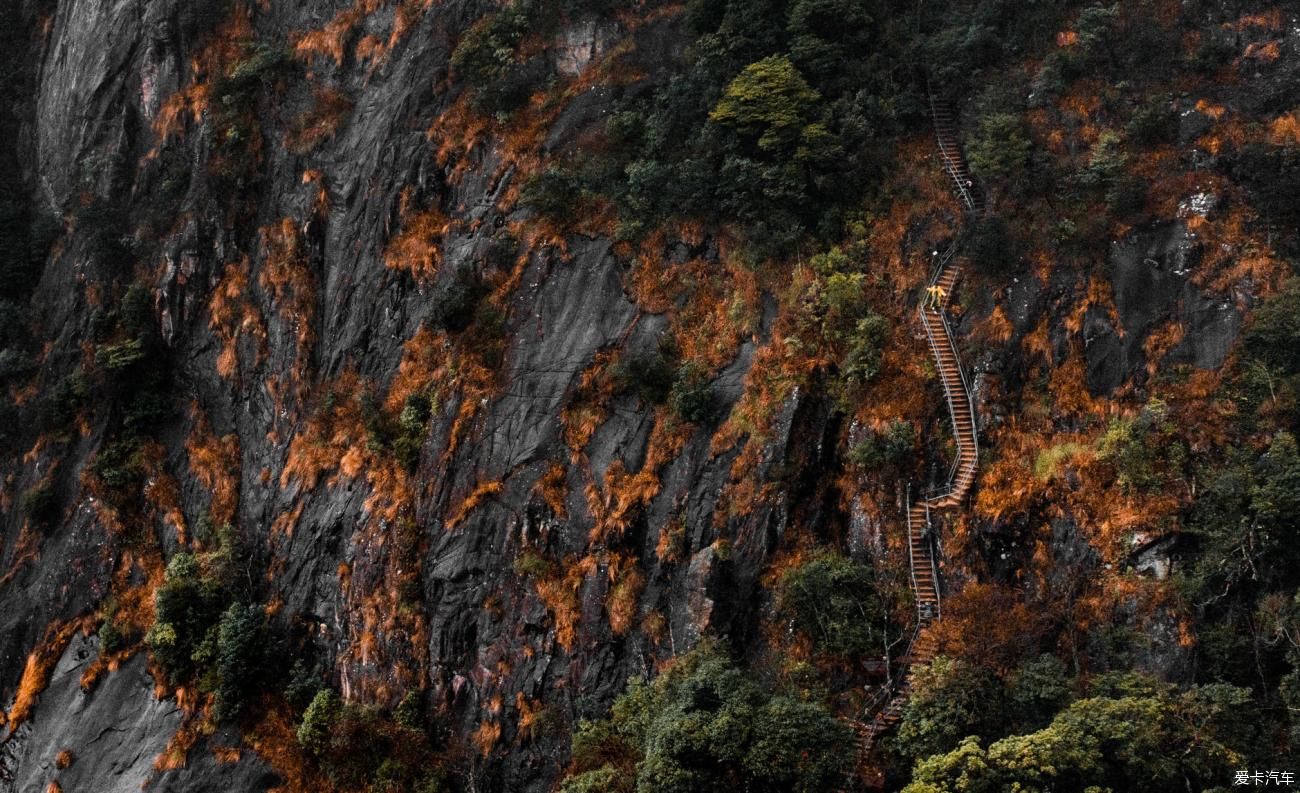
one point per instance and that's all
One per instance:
(351, 361)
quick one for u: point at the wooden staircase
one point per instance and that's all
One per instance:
(886, 709)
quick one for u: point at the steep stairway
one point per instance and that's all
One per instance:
(886, 709)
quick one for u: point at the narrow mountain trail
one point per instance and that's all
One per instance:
(886, 709)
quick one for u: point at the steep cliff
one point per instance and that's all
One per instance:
(324, 311)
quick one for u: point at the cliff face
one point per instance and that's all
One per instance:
(284, 288)
(281, 281)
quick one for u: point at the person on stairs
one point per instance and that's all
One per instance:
(934, 296)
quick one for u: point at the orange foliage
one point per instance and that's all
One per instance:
(332, 39)
(40, 665)
(587, 411)
(321, 122)
(227, 754)
(64, 759)
(287, 278)
(616, 503)
(195, 722)
(217, 463)
(1285, 130)
(486, 736)
(422, 357)
(226, 46)
(274, 741)
(415, 249)
(551, 486)
(987, 625)
(481, 493)
(232, 315)
(623, 599)
(559, 592)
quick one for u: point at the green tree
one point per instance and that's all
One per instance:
(706, 724)
(1156, 742)
(834, 601)
(950, 700)
(1000, 148)
(318, 722)
(238, 658)
(770, 99)
(186, 606)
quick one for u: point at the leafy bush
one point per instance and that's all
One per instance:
(239, 655)
(304, 684)
(691, 396)
(358, 748)
(187, 606)
(60, 403)
(486, 58)
(865, 346)
(833, 600)
(318, 722)
(1000, 149)
(119, 464)
(950, 700)
(1144, 449)
(649, 375)
(1161, 741)
(891, 447)
(706, 724)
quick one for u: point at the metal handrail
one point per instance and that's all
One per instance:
(947, 392)
(934, 567)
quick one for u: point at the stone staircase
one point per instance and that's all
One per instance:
(886, 709)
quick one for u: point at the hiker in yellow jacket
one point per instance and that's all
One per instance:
(934, 296)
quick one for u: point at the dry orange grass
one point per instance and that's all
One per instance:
(480, 494)
(551, 486)
(319, 124)
(40, 665)
(233, 316)
(416, 249)
(623, 599)
(1285, 130)
(217, 463)
(286, 277)
(559, 593)
(224, 48)
(331, 40)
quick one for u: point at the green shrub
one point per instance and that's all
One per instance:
(532, 564)
(59, 406)
(865, 347)
(556, 192)
(239, 658)
(649, 375)
(304, 684)
(318, 722)
(1153, 124)
(707, 724)
(186, 607)
(119, 465)
(892, 447)
(41, 505)
(691, 396)
(486, 58)
(1000, 149)
(833, 600)
(1144, 449)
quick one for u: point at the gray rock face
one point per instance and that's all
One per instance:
(1150, 282)
(101, 76)
(114, 731)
